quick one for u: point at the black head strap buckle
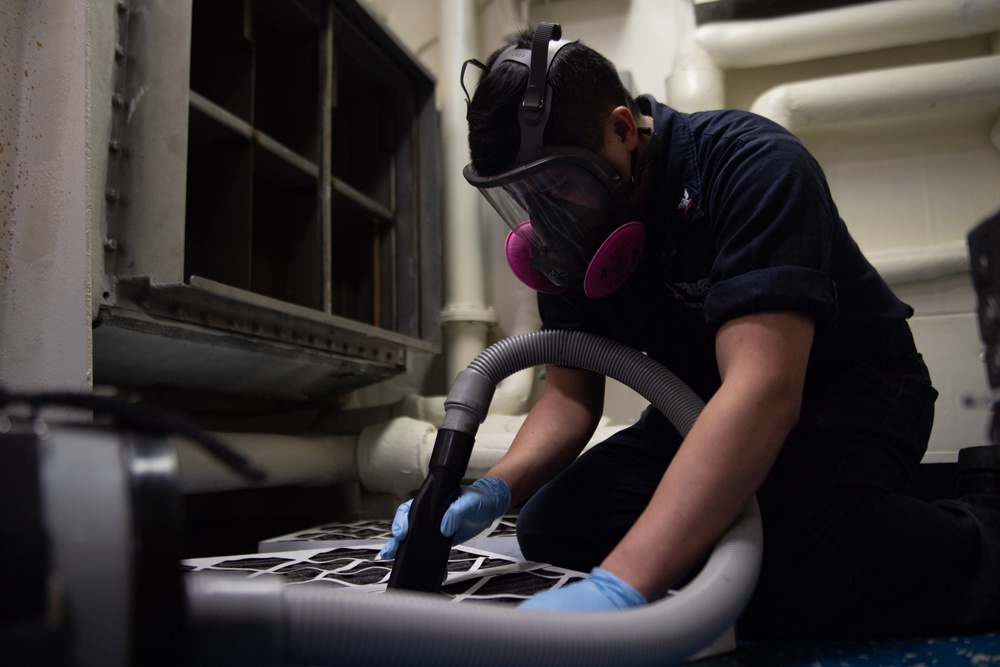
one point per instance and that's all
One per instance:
(534, 94)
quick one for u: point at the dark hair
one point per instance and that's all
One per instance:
(585, 88)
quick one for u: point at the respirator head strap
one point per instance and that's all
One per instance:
(533, 114)
(534, 95)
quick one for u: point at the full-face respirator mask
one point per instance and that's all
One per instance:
(565, 205)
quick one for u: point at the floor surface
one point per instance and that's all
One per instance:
(976, 651)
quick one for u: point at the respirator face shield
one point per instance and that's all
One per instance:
(570, 203)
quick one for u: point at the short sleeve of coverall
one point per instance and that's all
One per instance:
(774, 224)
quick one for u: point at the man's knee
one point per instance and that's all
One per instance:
(546, 533)
(537, 530)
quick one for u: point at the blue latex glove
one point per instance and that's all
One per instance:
(475, 509)
(400, 526)
(601, 591)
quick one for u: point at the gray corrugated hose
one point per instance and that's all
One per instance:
(314, 625)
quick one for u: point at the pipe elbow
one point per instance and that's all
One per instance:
(776, 104)
(393, 456)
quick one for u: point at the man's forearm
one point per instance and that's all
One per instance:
(727, 454)
(544, 446)
(554, 433)
(718, 468)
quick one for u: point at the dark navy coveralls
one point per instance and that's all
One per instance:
(741, 221)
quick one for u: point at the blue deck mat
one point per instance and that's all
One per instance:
(975, 651)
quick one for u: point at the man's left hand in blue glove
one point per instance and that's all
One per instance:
(476, 507)
(601, 591)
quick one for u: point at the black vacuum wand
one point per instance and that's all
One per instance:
(422, 558)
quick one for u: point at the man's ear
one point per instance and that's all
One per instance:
(622, 124)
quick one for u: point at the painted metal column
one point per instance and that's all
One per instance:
(47, 169)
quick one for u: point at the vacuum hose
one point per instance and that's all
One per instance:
(422, 558)
(312, 625)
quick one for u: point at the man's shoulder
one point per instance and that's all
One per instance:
(725, 140)
(732, 122)
(736, 124)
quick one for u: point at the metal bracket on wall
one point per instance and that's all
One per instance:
(213, 337)
(214, 305)
(114, 182)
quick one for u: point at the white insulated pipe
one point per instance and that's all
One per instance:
(394, 456)
(466, 317)
(697, 82)
(321, 460)
(916, 89)
(907, 265)
(834, 32)
(512, 395)
(391, 456)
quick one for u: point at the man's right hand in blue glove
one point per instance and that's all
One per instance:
(601, 591)
(475, 509)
